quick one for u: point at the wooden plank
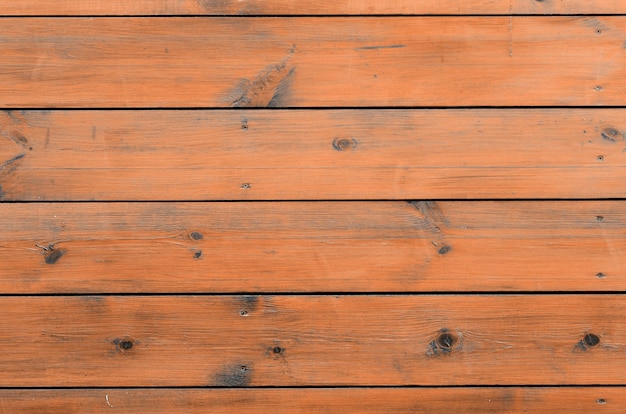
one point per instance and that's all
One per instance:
(299, 7)
(312, 154)
(572, 400)
(313, 62)
(312, 247)
(239, 341)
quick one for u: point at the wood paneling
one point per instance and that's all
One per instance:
(318, 401)
(312, 154)
(312, 247)
(290, 62)
(301, 7)
(239, 341)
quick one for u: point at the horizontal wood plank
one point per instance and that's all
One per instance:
(300, 7)
(312, 154)
(572, 400)
(312, 247)
(239, 341)
(313, 62)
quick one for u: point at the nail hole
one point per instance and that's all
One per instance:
(245, 186)
(600, 218)
(598, 88)
(244, 124)
(197, 254)
(591, 340)
(598, 31)
(600, 275)
(277, 350)
(601, 401)
(243, 312)
(243, 368)
(600, 157)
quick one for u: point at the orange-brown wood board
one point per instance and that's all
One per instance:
(304, 7)
(312, 154)
(515, 400)
(312, 247)
(313, 61)
(318, 207)
(313, 340)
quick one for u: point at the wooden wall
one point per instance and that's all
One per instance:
(293, 206)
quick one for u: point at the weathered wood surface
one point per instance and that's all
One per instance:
(238, 341)
(301, 7)
(292, 62)
(572, 400)
(312, 247)
(312, 154)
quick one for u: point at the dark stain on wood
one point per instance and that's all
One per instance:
(444, 249)
(269, 88)
(18, 138)
(53, 255)
(433, 216)
(235, 375)
(611, 134)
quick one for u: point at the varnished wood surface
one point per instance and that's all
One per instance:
(239, 341)
(312, 154)
(312, 247)
(292, 62)
(317, 401)
(302, 7)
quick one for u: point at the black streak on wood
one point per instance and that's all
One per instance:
(9, 164)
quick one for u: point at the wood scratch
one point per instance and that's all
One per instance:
(106, 398)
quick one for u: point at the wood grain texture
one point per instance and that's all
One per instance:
(312, 247)
(313, 62)
(312, 154)
(301, 7)
(318, 401)
(239, 341)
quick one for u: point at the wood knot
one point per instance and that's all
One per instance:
(444, 343)
(444, 249)
(344, 144)
(588, 341)
(123, 345)
(196, 236)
